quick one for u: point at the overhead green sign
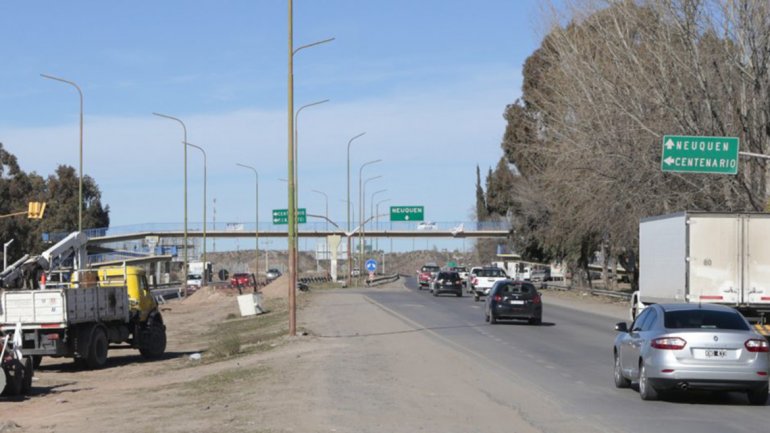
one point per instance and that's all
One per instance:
(281, 216)
(700, 154)
(407, 213)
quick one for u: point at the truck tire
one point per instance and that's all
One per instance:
(153, 342)
(97, 349)
(26, 384)
(14, 378)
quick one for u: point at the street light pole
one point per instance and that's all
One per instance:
(80, 170)
(360, 189)
(184, 146)
(350, 257)
(377, 219)
(256, 213)
(205, 182)
(326, 207)
(5, 253)
(296, 168)
(362, 236)
(292, 211)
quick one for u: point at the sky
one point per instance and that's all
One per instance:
(427, 81)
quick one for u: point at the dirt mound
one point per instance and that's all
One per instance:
(278, 288)
(205, 295)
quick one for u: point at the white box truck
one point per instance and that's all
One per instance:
(700, 257)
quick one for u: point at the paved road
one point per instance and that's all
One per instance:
(568, 361)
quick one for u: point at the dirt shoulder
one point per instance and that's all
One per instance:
(359, 368)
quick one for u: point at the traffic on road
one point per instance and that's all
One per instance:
(566, 353)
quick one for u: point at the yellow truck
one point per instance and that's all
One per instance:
(82, 315)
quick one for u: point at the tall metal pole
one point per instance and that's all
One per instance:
(292, 247)
(80, 170)
(371, 209)
(360, 200)
(350, 256)
(184, 146)
(361, 235)
(377, 219)
(205, 182)
(256, 230)
(292, 211)
(296, 166)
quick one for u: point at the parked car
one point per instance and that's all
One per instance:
(691, 346)
(484, 280)
(447, 282)
(272, 274)
(241, 280)
(426, 273)
(510, 299)
(427, 225)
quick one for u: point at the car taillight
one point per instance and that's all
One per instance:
(498, 298)
(756, 346)
(668, 343)
(475, 281)
(536, 299)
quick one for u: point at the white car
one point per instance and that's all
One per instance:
(194, 281)
(427, 225)
(484, 279)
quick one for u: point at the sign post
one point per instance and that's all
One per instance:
(407, 213)
(281, 216)
(686, 154)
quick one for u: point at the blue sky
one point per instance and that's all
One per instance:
(426, 80)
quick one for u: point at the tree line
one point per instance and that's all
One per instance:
(59, 191)
(582, 146)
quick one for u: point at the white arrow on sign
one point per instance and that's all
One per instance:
(669, 160)
(669, 144)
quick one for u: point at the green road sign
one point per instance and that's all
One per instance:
(407, 213)
(281, 216)
(700, 154)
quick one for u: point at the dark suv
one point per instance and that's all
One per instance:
(447, 282)
(513, 300)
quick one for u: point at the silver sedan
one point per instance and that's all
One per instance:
(691, 346)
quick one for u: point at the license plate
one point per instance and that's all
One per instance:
(517, 302)
(715, 353)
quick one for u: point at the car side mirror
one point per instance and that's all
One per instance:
(621, 327)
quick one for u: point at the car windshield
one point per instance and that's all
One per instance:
(194, 277)
(448, 276)
(430, 268)
(704, 319)
(491, 273)
(459, 269)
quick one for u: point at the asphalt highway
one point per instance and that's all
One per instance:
(566, 362)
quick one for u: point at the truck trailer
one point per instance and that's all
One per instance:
(700, 257)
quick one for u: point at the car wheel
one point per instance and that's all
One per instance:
(535, 321)
(486, 317)
(460, 294)
(646, 391)
(620, 380)
(475, 298)
(419, 287)
(492, 318)
(758, 397)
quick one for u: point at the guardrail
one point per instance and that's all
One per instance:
(382, 280)
(612, 294)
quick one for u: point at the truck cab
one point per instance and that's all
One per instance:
(135, 280)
